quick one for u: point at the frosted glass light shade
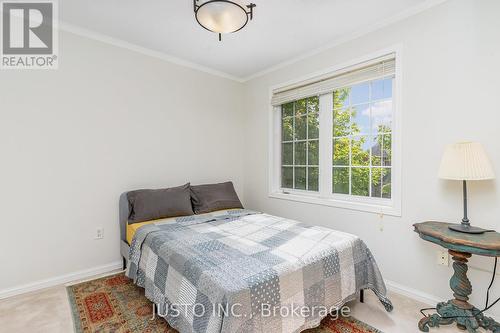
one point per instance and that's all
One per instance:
(221, 16)
(466, 161)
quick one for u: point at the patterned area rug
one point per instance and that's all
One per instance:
(115, 304)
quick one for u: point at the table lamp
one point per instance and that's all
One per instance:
(466, 161)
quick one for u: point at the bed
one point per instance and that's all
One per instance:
(244, 271)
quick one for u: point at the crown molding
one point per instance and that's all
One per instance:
(346, 38)
(181, 62)
(143, 50)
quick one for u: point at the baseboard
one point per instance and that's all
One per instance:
(62, 279)
(412, 293)
(420, 296)
(117, 265)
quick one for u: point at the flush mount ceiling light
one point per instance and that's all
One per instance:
(222, 16)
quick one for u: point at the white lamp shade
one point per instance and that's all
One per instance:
(221, 17)
(466, 161)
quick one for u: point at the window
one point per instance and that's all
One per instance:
(335, 139)
(362, 139)
(299, 145)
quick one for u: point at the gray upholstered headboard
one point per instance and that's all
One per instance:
(124, 213)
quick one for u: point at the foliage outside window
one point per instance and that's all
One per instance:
(362, 139)
(300, 144)
(335, 137)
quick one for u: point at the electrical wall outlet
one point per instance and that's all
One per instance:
(443, 258)
(99, 233)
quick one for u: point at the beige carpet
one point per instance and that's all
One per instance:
(49, 311)
(115, 304)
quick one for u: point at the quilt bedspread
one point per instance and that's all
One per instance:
(243, 271)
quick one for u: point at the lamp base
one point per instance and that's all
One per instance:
(467, 229)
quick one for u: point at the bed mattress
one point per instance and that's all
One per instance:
(132, 228)
(243, 271)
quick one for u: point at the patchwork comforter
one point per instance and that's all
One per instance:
(242, 271)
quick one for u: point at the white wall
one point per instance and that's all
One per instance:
(108, 120)
(451, 84)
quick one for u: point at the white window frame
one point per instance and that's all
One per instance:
(325, 196)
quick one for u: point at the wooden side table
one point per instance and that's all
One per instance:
(461, 247)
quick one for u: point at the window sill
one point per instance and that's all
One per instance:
(357, 205)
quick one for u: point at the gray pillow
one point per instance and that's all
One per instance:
(146, 205)
(212, 197)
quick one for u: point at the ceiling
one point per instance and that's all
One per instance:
(280, 31)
